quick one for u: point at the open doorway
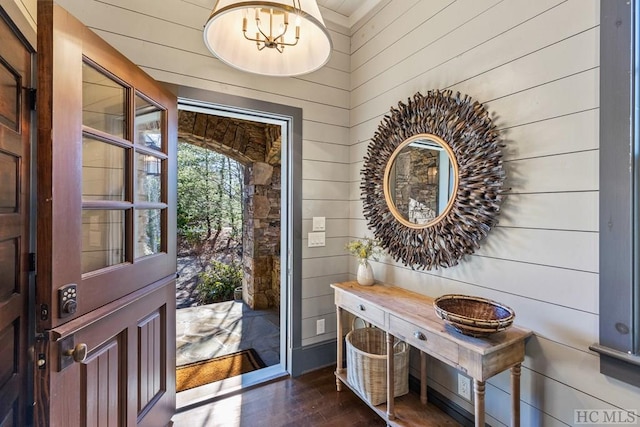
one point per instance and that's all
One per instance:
(234, 232)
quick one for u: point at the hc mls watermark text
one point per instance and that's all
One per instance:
(605, 417)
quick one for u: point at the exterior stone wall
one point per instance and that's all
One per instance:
(261, 234)
(273, 295)
(257, 147)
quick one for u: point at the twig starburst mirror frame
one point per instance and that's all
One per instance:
(466, 132)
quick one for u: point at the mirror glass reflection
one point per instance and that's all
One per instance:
(420, 181)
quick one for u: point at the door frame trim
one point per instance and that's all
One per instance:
(291, 224)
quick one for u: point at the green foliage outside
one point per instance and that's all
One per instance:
(210, 189)
(218, 282)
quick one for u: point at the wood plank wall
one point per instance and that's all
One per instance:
(536, 66)
(165, 39)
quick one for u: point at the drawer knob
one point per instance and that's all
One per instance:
(419, 335)
(362, 307)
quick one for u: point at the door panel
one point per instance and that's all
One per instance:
(106, 240)
(151, 364)
(128, 376)
(88, 141)
(9, 254)
(15, 70)
(100, 400)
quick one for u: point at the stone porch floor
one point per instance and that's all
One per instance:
(214, 330)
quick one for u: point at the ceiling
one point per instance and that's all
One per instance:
(342, 12)
(345, 12)
(343, 7)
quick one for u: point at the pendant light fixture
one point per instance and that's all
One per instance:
(272, 38)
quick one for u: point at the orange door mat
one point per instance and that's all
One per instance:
(216, 369)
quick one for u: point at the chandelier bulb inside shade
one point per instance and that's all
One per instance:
(273, 38)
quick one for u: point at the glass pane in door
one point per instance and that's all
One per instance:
(148, 173)
(103, 102)
(103, 170)
(148, 232)
(102, 238)
(148, 124)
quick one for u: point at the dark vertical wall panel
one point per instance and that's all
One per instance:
(619, 201)
(615, 178)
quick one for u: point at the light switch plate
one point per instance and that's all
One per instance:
(316, 240)
(318, 223)
(319, 326)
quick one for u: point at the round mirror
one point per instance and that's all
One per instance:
(437, 159)
(421, 180)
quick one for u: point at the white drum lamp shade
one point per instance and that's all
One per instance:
(304, 47)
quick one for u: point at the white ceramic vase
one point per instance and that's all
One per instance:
(365, 273)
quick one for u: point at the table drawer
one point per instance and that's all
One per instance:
(361, 308)
(423, 340)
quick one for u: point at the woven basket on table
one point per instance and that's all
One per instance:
(472, 315)
(367, 364)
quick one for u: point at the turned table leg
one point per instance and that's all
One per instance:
(339, 339)
(515, 395)
(423, 377)
(390, 378)
(478, 388)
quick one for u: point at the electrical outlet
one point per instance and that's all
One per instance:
(320, 327)
(464, 386)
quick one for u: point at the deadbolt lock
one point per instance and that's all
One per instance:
(67, 300)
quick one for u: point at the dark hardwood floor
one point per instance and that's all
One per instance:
(309, 400)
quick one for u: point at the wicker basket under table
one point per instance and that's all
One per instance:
(367, 364)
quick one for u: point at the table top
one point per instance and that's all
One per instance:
(419, 310)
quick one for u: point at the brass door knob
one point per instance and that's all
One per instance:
(79, 352)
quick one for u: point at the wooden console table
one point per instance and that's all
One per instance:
(410, 317)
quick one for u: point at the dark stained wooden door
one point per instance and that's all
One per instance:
(105, 346)
(15, 72)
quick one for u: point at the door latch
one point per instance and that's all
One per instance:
(42, 361)
(69, 352)
(67, 300)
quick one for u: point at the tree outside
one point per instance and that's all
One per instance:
(210, 188)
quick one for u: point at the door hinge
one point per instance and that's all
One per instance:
(32, 98)
(32, 261)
